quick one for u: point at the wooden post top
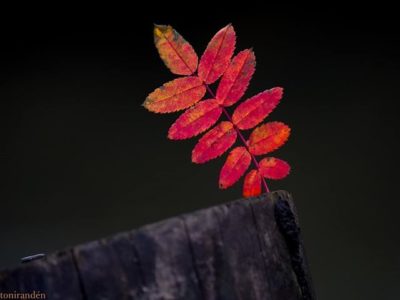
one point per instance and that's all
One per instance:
(245, 249)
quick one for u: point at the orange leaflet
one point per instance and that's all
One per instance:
(268, 137)
(175, 95)
(177, 54)
(195, 120)
(236, 78)
(217, 56)
(274, 168)
(214, 143)
(254, 110)
(236, 164)
(252, 184)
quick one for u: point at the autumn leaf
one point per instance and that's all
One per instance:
(252, 184)
(217, 55)
(195, 120)
(175, 95)
(268, 137)
(274, 168)
(255, 109)
(177, 54)
(236, 78)
(236, 164)
(234, 75)
(214, 143)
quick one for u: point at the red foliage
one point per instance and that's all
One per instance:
(235, 73)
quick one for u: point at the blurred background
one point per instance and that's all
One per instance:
(82, 159)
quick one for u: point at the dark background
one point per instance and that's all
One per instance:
(82, 159)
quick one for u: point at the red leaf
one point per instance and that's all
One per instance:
(195, 120)
(217, 56)
(252, 184)
(236, 78)
(254, 110)
(177, 54)
(268, 137)
(175, 95)
(236, 164)
(216, 61)
(214, 143)
(274, 168)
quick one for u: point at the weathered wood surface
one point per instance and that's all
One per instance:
(246, 249)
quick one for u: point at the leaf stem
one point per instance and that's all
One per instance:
(241, 137)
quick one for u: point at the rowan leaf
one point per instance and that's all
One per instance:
(217, 55)
(236, 78)
(175, 95)
(177, 54)
(268, 137)
(195, 120)
(214, 143)
(255, 109)
(237, 162)
(252, 184)
(274, 168)
(235, 75)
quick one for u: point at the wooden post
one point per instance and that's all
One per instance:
(245, 249)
